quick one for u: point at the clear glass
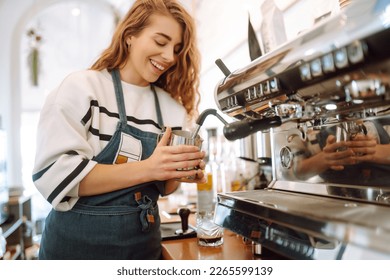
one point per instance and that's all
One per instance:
(209, 234)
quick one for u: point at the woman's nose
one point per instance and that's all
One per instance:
(169, 54)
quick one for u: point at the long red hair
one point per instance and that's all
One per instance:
(182, 79)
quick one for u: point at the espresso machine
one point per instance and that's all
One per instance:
(332, 81)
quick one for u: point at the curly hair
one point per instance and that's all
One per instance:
(181, 81)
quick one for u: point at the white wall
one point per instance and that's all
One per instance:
(15, 91)
(10, 14)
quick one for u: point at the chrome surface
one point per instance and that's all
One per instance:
(331, 80)
(321, 66)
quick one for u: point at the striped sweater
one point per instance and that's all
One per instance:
(79, 118)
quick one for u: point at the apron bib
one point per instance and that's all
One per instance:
(123, 224)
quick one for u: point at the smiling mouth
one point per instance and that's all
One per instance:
(157, 65)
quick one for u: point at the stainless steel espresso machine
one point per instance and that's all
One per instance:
(329, 84)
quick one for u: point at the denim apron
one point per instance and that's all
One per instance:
(122, 224)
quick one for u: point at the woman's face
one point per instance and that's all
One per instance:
(153, 51)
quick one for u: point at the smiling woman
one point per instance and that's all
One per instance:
(98, 161)
(153, 51)
(184, 89)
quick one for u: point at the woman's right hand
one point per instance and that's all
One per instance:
(166, 161)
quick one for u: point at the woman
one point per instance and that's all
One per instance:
(98, 162)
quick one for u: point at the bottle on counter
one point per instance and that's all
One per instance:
(214, 160)
(206, 196)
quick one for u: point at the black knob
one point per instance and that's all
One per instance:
(222, 67)
(184, 213)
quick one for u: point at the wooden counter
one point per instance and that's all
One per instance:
(233, 248)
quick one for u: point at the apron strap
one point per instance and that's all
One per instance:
(119, 96)
(158, 109)
(121, 104)
(145, 204)
(383, 135)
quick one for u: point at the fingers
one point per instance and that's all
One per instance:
(360, 137)
(183, 149)
(337, 167)
(362, 143)
(338, 154)
(364, 151)
(330, 140)
(338, 150)
(363, 146)
(184, 165)
(184, 153)
(333, 146)
(190, 171)
(172, 163)
(164, 141)
(202, 165)
(196, 177)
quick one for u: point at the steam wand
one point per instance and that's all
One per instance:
(238, 129)
(202, 117)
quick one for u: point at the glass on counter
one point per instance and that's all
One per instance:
(208, 233)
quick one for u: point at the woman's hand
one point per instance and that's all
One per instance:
(172, 162)
(338, 154)
(364, 147)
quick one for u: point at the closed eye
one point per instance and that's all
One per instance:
(177, 49)
(161, 44)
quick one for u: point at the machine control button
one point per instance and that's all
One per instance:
(305, 72)
(328, 63)
(274, 85)
(266, 88)
(253, 92)
(315, 67)
(355, 52)
(231, 102)
(248, 95)
(260, 90)
(228, 103)
(341, 58)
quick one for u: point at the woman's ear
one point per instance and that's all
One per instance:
(128, 41)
